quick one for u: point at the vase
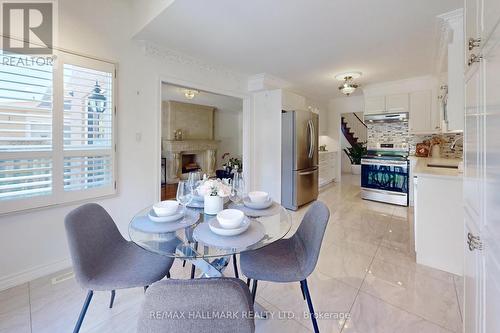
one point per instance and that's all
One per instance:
(356, 169)
(213, 204)
(436, 151)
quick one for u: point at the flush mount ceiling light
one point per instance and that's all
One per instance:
(348, 87)
(190, 93)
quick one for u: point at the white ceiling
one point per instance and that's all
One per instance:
(176, 93)
(306, 42)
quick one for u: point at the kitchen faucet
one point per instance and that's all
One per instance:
(454, 143)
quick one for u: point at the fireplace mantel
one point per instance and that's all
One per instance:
(173, 150)
(179, 146)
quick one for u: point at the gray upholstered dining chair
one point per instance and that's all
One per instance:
(201, 305)
(292, 259)
(103, 260)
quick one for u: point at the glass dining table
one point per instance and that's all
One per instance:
(179, 239)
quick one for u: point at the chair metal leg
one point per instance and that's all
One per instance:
(248, 282)
(302, 289)
(184, 263)
(235, 266)
(112, 300)
(84, 311)
(254, 290)
(168, 275)
(303, 284)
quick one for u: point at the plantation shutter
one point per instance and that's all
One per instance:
(57, 131)
(88, 127)
(26, 112)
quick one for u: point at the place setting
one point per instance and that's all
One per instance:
(230, 228)
(169, 215)
(253, 204)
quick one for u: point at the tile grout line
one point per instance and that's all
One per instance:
(29, 303)
(458, 301)
(359, 288)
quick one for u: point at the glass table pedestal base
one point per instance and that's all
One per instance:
(214, 268)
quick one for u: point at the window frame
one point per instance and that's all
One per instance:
(58, 195)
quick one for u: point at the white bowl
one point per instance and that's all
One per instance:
(216, 228)
(257, 205)
(166, 208)
(258, 196)
(230, 218)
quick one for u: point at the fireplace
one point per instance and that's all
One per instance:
(188, 155)
(189, 163)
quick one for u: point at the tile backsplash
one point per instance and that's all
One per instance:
(398, 133)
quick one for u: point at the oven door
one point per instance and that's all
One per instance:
(386, 175)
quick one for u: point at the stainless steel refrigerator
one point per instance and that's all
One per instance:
(299, 158)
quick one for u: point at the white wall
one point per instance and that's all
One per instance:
(267, 142)
(228, 130)
(34, 243)
(338, 106)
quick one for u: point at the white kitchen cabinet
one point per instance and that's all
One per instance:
(490, 10)
(396, 103)
(375, 104)
(421, 112)
(454, 115)
(472, 27)
(327, 169)
(323, 121)
(481, 176)
(439, 222)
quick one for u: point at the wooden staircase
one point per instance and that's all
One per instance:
(353, 140)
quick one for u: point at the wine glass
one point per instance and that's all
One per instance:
(193, 178)
(184, 194)
(237, 188)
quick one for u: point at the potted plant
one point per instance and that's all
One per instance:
(355, 153)
(214, 191)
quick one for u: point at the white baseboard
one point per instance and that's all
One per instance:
(36, 272)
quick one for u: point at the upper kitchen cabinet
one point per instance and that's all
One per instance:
(375, 104)
(453, 104)
(481, 17)
(472, 26)
(386, 104)
(421, 113)
(396, 103)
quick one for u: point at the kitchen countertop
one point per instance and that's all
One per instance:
(422, 170)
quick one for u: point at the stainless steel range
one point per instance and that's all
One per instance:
(385, 173)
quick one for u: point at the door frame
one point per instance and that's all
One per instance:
(247, 123)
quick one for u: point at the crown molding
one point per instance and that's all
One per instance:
(444, 31)
(167, 55)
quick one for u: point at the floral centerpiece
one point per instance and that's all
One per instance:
(232, 163)
(214, 191)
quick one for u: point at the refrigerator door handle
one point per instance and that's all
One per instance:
(305, 173)
(310, 128)
(313, 141)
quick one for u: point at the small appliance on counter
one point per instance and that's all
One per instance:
(385, 171)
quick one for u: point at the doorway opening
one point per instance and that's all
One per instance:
(200, 131)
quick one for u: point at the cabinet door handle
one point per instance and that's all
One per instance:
(474, 42)
(474, 58)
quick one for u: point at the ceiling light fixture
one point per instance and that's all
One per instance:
(190, 93)
(348, 87)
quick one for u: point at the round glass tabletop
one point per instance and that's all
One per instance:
(182, 240)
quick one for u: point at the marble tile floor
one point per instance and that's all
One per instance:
(366, 281)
